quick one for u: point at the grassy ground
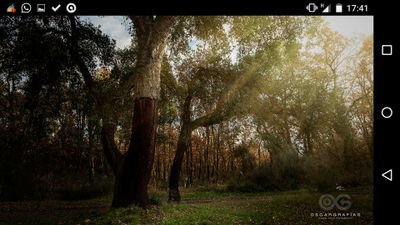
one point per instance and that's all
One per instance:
(198, 207)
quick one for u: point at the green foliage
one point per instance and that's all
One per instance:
(304, 114)
(256, 33)
(284, 176)
(49, 122)
(190, 29)
(155, 200)
(324, 179)
(120, 216)
(246, 159)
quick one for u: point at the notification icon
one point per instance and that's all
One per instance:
(11, 8)
(26, 8)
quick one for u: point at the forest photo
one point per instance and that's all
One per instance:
(186, 120)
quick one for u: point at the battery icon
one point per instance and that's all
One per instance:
(339, 8)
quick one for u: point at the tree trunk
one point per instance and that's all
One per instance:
(134, 172)
(110, 149)
(206, 156)
(183, 145)
(187, 166)
(165, 159)
(259, 155)
(200, 174)
(190, 163)
(217, 151)
(158, 166)
(91, 153)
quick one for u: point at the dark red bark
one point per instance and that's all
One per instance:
(134, 172)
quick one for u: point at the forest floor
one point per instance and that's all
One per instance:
(197, 207)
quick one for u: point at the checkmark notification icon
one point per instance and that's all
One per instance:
(56, 8)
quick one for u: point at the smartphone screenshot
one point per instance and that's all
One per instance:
(198, 112)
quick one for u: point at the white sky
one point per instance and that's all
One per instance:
(118, 28)
(351, 25)
(115, 26)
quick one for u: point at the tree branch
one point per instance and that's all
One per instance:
(209, 119)
(162, 26)
(113, 155)
(74, 49)
(224, 106)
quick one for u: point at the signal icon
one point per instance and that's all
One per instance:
(327, 9)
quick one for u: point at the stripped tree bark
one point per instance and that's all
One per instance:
(132, 170)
